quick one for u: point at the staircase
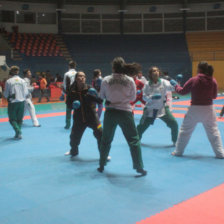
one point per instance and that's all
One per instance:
(63, 48)
(15, 55)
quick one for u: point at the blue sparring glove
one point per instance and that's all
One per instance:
(62, 97)
(92, 92)
(173, 82)
(179, 77)
(156, 96)
(76, 104)
(138, 92)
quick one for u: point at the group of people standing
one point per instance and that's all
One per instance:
(18, 93)
(120, 91)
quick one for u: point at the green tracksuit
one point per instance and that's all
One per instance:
(125, 120)
(15, 113)
(168, 118)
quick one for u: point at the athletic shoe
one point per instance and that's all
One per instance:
(72, 155)
(108, 158)
(143, 172)
(38, 125)
(18, 137)
(67, 153)
(175, 154)
(66, 127)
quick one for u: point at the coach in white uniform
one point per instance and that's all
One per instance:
(16, 93)
(69, 78)
(28, 102)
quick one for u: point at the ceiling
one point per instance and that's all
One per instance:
(117, 2)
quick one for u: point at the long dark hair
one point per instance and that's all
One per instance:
(118, 65)
(203, 67)
(132, 69)
(210, 70)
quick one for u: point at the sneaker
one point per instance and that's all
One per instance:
(108, 158)
(100, 169)
(67, 153)
(18, 136)
(67, 127)
(38, 125)
(175, 154)
(143, 172)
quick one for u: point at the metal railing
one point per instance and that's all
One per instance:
(207, 55)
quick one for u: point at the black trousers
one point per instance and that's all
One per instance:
(78, 129)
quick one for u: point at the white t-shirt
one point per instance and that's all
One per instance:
(71, 75)
(120, 90)
(161, 87)
(17, 87)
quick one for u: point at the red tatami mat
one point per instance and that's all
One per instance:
(206, 208)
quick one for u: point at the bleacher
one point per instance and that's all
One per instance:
(169, 52)
(206, 45)
(39, 52)
(32, 44)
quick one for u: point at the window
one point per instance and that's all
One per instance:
(25, 17)
(46, 18)
(7, 16)
(72, 26)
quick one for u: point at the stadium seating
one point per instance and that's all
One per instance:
(206, 45)
(169, 52)
(32, 44)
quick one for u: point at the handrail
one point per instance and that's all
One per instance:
(207, 55)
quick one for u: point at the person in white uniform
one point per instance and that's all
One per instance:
(16, 92)
(28, 102)
(154, 93)
(69, 78)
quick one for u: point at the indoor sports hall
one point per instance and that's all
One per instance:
(39, 183)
